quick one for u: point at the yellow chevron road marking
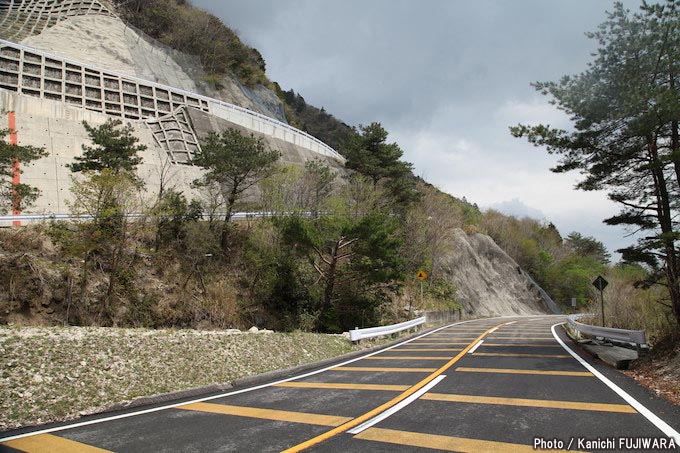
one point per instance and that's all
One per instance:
(343, 386)
(383, 407)
(405, 357)
(513, 371)
(602, 407)
(426, 349)
(437, 442)
(391, 370)
(48, 443)
(268, 414)
(541, 356)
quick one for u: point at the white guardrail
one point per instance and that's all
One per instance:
(370, 332)
(31, 218)
(630, 336)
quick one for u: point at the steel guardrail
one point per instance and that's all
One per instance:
(630, 336)
(205, 215)
(370, 332)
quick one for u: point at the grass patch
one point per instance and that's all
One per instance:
(60, 373)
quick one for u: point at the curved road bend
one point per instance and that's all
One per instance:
(503, 384)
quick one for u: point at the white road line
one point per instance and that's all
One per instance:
(396, 408)
(222, 395)
(474, 348)
(649, 415)
(511, 322)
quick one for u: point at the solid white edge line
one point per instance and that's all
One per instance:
(397, 407)
(223, 395)
(649, 415)
(474, 348)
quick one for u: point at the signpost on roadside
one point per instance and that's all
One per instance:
(421, 275)
(600, 283)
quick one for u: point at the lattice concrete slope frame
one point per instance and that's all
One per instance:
(22, 18)
(36, 73)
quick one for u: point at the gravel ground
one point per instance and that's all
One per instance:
(52, 373)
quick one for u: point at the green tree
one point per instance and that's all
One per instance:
(16, 196)
(625, 110)
(107, 192)
(357, 264)
(587, 247)
(108, 198)
(371, 155)
(115, 149)
(234, 163)
(316, 186)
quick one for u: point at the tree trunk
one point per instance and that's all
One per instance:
(330, 277)
(224, 237)
(664, 216)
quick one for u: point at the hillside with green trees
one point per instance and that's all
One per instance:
(626, 138)
(341, 251)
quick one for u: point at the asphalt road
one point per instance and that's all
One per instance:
(518, 389)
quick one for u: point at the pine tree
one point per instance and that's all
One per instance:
(625, 110)
(233, 162)
(115, 148)
(16, 196)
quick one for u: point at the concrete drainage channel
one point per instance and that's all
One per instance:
(616, 347)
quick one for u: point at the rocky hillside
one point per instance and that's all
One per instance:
(489, 282)
(42, 283)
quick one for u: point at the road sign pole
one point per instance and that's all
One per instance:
(600, 283)
(421, 295)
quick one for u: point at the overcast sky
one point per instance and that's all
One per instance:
(446, 78)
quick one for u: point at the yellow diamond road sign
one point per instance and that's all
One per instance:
(421, 275)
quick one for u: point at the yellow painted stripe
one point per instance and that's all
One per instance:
(438, 442)
(623, 408)
(542, 356)
(48, 443)
(391, 370)
(383, 407)
(343, 386)
(524, 345)
(440, 340)
(439, 343)
(519, 337)
(426, 349)
(405, 357)
(267, 414)
(512, 371)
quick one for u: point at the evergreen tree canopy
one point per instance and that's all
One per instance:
(588, 247)
(115, 149)
(371, 155)
(234, 162)
(625, 110)
(16, 196)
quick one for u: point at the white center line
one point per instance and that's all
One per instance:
(474, 348)
(396, 408)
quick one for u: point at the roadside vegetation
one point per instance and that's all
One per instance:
(56, 373)
(625, 140)
(342, 251)
(336, 253)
